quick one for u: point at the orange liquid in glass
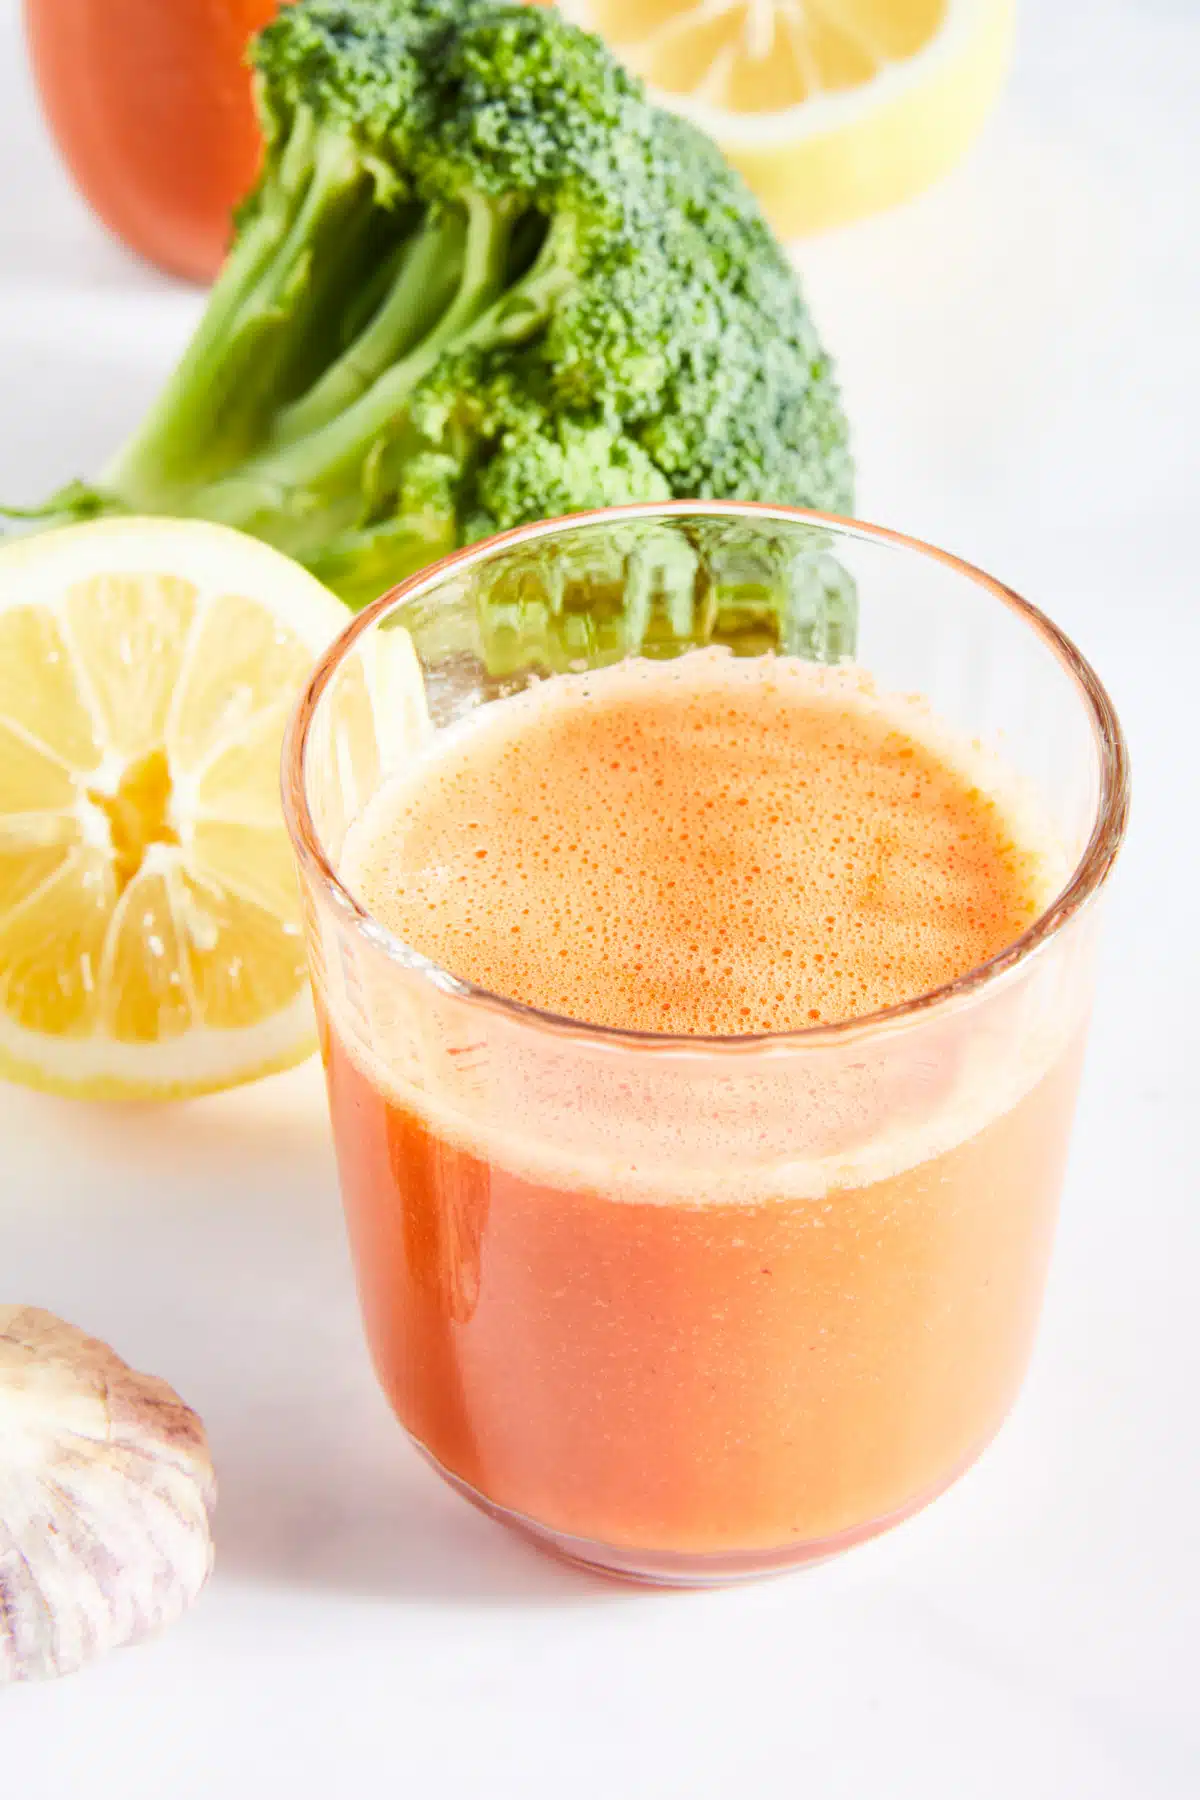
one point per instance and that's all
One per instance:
(732, 1367)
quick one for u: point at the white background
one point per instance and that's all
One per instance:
(1020, 356)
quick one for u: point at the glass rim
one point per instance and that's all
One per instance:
(1086, 878)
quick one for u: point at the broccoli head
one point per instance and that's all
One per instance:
(481, 280)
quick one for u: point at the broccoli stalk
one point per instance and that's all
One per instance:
(326, 448)
(481, 280)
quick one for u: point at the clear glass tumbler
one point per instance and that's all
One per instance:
(657, 1376)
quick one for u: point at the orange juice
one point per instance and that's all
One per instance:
(620, 1307)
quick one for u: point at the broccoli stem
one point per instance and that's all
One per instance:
(282, 493)
(77, 501)
(427, 277)
(518, 313)
(209, 414)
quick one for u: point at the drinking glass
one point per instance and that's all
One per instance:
(667, 1362)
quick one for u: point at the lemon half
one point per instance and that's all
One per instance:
(150, 940)
(830, 108)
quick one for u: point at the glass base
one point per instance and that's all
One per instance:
(680, 1568)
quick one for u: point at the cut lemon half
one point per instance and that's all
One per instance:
(150, 940)
(830, 108)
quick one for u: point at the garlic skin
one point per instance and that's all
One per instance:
(106, 1497)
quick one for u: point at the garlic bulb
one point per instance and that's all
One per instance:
(106, 1492)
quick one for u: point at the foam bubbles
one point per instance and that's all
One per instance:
(704, 846)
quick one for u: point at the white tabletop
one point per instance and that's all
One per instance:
(1021, 356)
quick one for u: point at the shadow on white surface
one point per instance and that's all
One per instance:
(372, 1521)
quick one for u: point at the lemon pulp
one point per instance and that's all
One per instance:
(149, 919)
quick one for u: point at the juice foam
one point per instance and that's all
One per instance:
(706, 846)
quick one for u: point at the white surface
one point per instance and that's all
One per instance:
(1020, 353)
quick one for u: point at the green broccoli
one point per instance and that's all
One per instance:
(481, 281)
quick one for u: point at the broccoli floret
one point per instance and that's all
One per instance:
(481, 281)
